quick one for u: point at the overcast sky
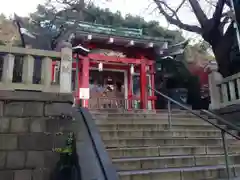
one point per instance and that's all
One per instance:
(135, 7)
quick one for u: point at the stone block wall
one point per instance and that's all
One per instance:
(31, 125)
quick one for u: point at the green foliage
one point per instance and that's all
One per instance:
(177, 69)
(68, 166)
(69, 146)
(198, 52)
(152, 28)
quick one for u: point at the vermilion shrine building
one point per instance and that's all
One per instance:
(117, 54)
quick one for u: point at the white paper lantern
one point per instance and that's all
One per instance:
(132, 69)
(100, 66)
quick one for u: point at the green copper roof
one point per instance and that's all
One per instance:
(115, 31)
(99, 28)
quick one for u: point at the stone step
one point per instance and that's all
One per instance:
(138, 111)
(174, 121)
(146, 163)
(155, 127)
(187, 173)
(147, 142)
(143, 116)
(123, 111)
(169, 151)
(107, 135)
(144, 148)
(145, 112)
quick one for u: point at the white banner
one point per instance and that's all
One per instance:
(84, 93)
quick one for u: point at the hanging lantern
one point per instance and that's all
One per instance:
(100, 66)
(132, 69)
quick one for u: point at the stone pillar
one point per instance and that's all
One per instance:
(28, 69)
(8, 65)
(66, 70)
(214, 78)
(46, 75)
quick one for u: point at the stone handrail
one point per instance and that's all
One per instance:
(9, 54)
(224, 91)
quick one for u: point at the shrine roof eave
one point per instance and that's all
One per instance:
(118, 60)
(121, 40)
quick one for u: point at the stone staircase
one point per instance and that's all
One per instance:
(143, 147)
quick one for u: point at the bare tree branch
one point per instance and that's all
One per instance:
(210, 3)
(213, 30)
(200, 15)
(177, 22)
(218, 12)
(174, 13)
(180, 6)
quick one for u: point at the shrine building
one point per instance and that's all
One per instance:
(120, 65)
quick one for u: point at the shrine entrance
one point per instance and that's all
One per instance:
(113, 85)
(108, 88)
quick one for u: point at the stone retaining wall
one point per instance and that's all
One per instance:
(31, 125)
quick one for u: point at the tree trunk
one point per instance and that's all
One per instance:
(222, 51)
(222, 47)
(222, 57)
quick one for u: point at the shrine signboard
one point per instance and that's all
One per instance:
(107, 52)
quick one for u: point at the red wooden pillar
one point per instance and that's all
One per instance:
(84, 78)
(78, 66)
(130, 91)
(143, 84)
(152, 84)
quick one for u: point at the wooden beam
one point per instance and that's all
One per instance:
(100, 57)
